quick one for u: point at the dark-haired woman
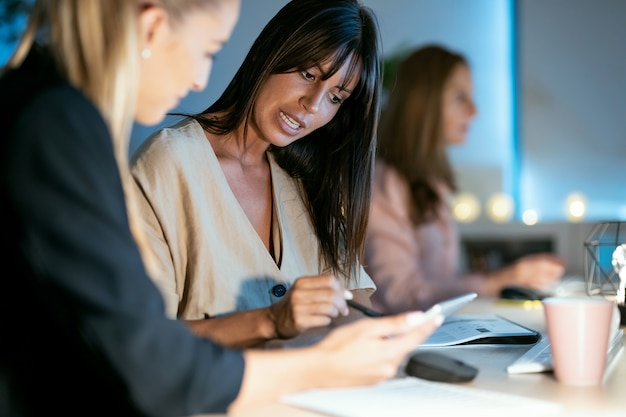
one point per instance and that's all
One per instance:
(257, 206)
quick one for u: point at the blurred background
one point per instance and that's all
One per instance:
(543, 161)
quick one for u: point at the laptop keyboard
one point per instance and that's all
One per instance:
(539, 358)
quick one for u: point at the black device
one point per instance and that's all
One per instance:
(519, 292)
(363, 309)
(435, 366)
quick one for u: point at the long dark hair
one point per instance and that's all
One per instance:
(334, 163)
(411, 127)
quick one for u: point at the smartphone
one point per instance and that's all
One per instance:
(450, 305)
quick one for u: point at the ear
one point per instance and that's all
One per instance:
(152, 19)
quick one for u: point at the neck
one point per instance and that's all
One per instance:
(250, 151)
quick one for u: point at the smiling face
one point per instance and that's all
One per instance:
(181, 55)
(458, 105)
(292, 105)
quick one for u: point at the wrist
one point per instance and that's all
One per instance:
(267, 326)
(496, 280)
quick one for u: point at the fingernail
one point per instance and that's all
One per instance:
(415, 319)
(347, 294)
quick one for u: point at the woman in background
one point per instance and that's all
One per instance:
(257, 206)
(84, 330)
(412, 245)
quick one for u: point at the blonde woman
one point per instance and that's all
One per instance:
(84, 330)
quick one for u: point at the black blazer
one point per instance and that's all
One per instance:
(82, 327)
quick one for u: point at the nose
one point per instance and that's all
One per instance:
(471, 108)
(311, 101)
(201, 78)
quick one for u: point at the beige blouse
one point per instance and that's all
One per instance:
(211, 260)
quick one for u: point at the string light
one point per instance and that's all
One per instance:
(465, 208)
(575, 207)
(500, 208)
(530, 217)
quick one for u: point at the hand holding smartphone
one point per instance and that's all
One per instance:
(445, 308)
(449, 306)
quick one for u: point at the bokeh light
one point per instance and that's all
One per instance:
(465, 208)
(500, 207)
(530, 217)
(575, 207)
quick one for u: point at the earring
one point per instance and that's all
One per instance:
(146, 53)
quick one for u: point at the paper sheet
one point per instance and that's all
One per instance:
(410, 397)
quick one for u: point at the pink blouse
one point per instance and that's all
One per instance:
(412, 267)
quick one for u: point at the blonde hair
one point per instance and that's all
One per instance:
(95, 46)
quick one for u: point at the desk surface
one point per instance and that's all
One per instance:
(604, 400)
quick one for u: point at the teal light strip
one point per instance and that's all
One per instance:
(516, 105)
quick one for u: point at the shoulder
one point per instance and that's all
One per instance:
(34, 98)
(61, 105)
(173, 160)
(183, 142)
(59, 119)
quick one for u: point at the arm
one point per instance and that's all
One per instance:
(359, 353)
(154, 227)
(535, 271)
(104, 315)
(314, 334)
(311, 302)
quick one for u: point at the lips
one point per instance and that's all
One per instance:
(291, 122)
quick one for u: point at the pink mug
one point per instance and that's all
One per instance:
(578, 330)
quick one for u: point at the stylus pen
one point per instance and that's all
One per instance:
(365, 310)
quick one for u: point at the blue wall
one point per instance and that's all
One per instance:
(563, 131)
(480, 29)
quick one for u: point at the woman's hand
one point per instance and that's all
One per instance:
(312, 301)
(534, 271)
(538, 270)
(371, 349)
(364, 352)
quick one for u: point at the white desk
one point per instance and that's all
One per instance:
(608, 399)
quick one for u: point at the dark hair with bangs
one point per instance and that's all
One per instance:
(334, 163)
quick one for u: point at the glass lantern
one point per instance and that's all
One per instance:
(605, 261)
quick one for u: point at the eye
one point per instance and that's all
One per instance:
(461, 98)
(308, 76)
(336, 99)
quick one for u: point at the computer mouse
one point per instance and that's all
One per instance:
(519, 292)
(435, 366)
